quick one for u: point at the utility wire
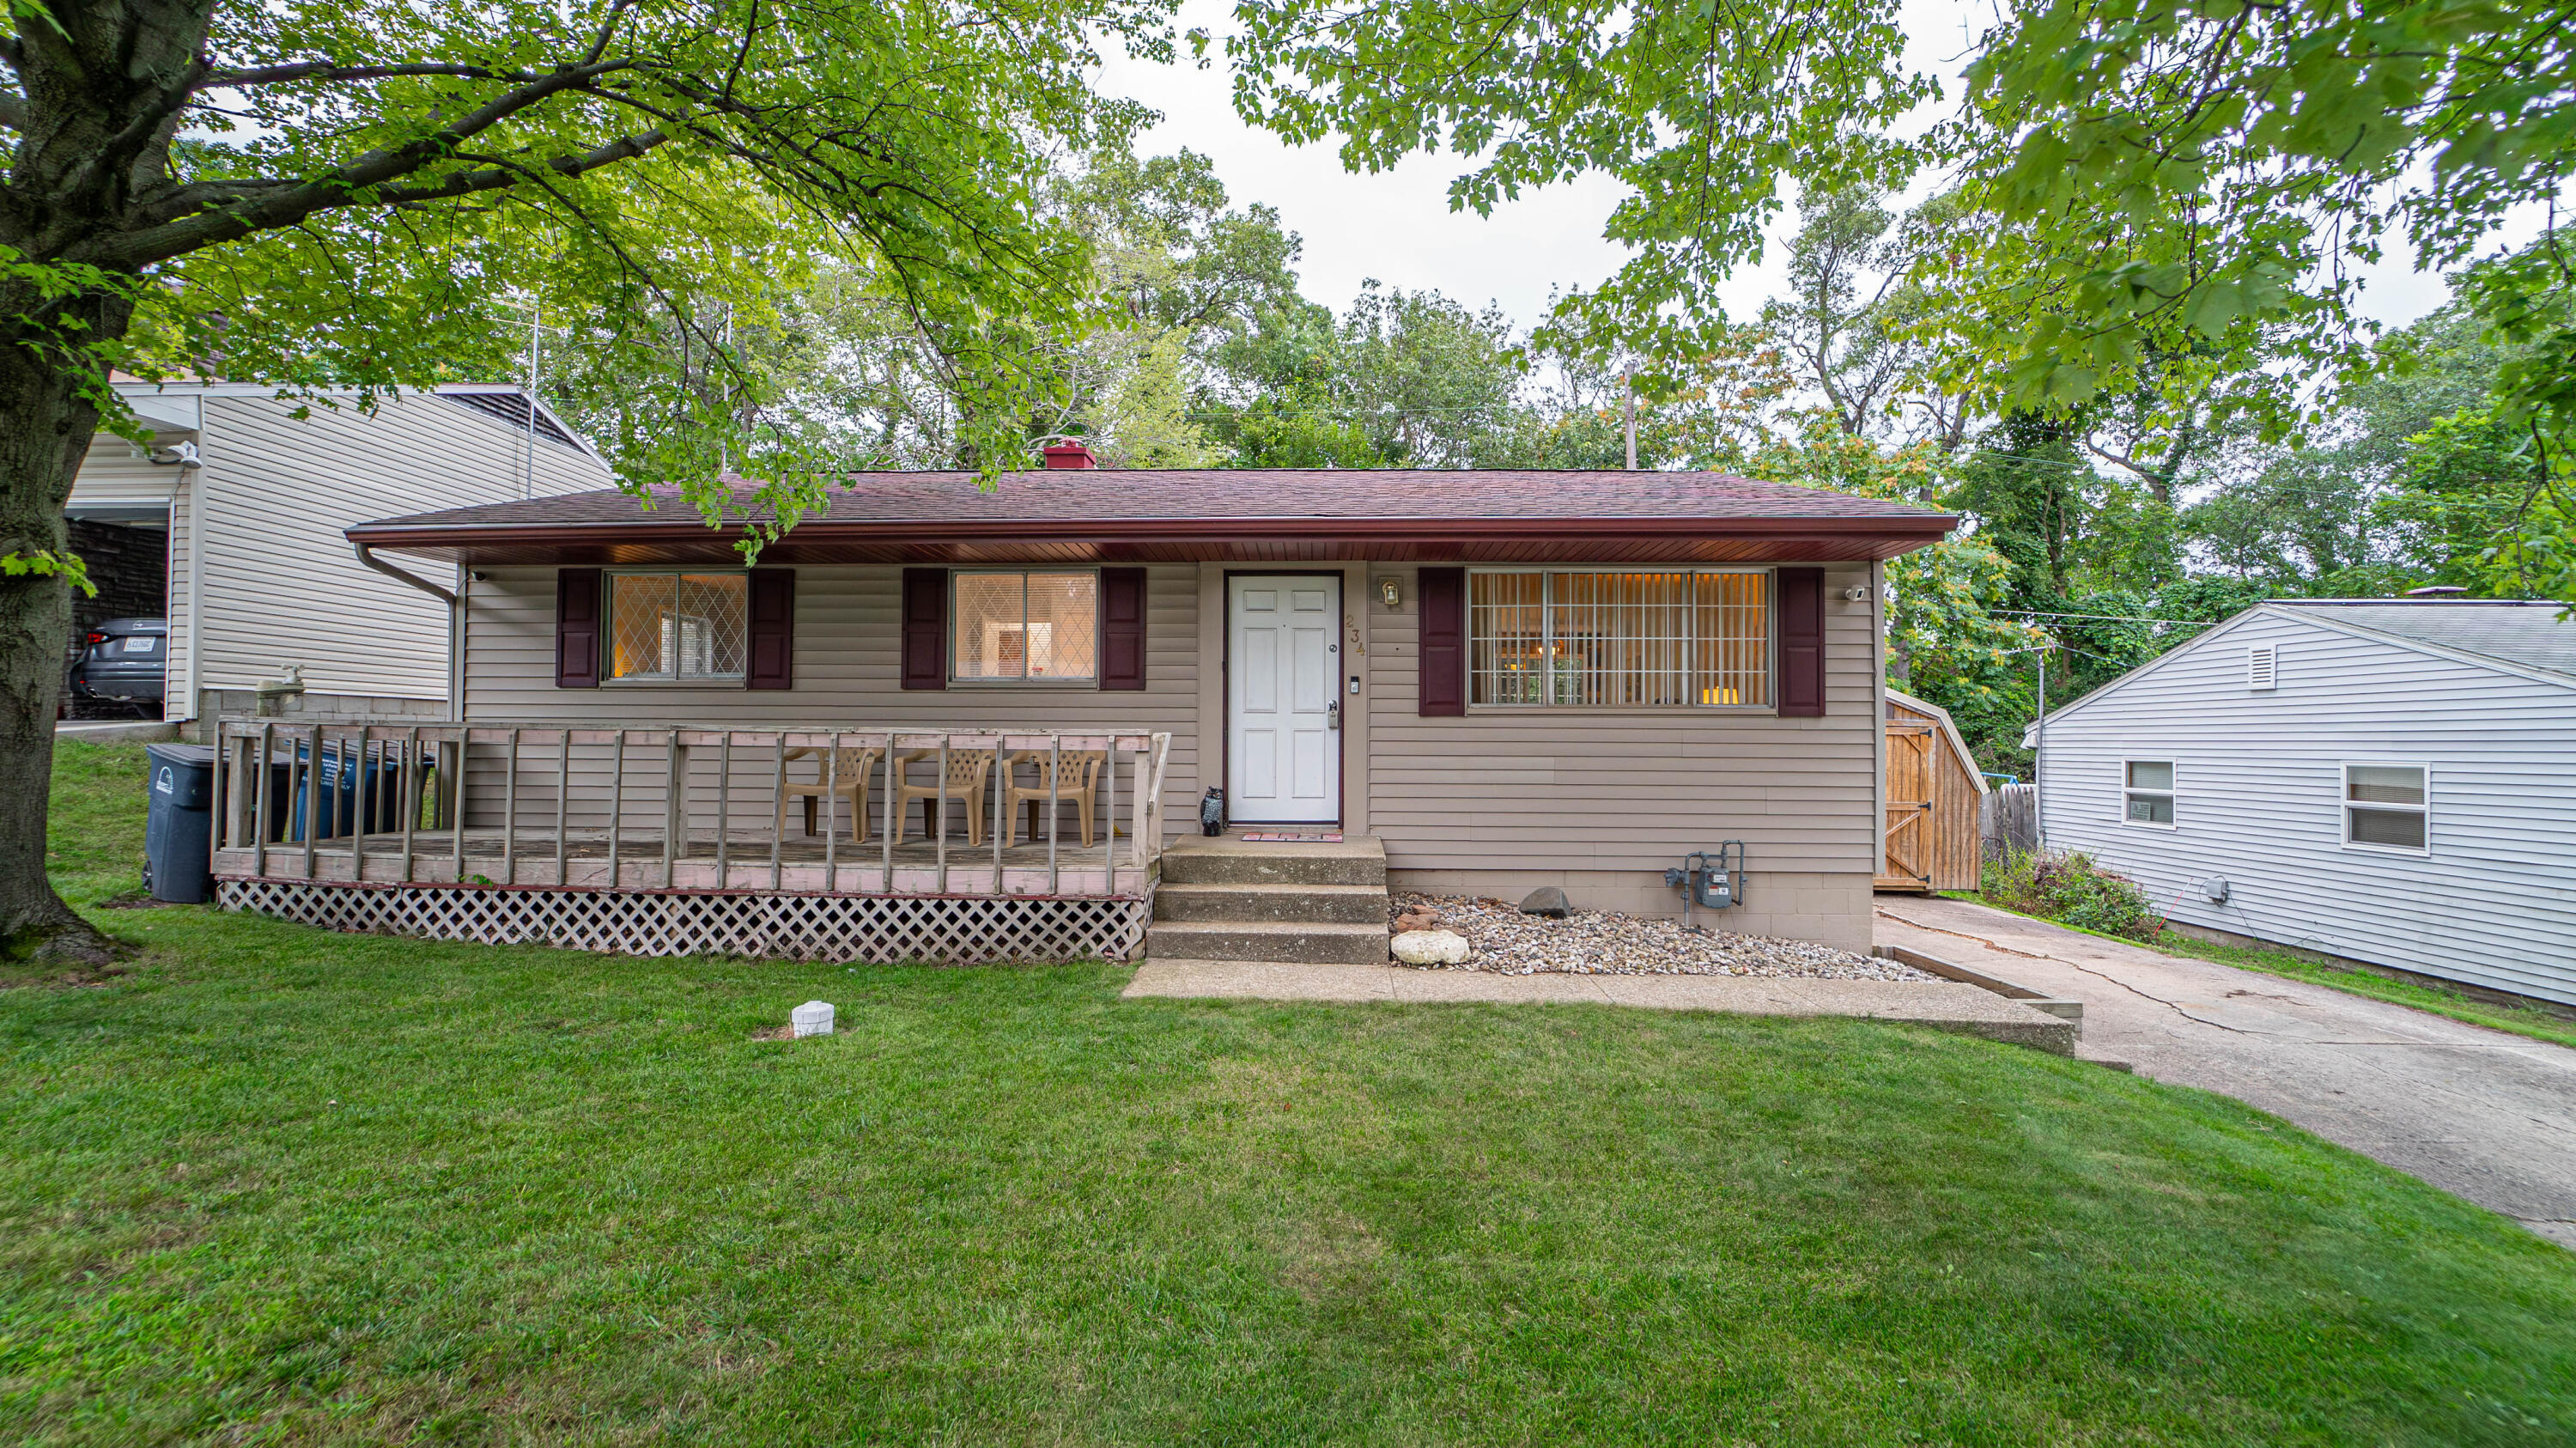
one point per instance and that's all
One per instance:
(2105, 617)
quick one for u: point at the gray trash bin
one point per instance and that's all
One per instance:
(177, 835)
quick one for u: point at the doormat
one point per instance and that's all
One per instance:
(1268, 838)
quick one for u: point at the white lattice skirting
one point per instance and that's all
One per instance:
(879, 929)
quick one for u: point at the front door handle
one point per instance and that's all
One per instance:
(1333, 714)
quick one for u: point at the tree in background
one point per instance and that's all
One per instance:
(315, 194)
(1402, 379)
(2214, 172)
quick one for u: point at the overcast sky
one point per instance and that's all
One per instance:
(1397, 226)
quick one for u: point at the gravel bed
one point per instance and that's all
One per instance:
(1503, 941)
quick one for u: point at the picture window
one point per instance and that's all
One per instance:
(1685, 639)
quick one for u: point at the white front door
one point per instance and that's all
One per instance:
(1284, 699)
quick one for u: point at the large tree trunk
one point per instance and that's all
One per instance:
(45, 428)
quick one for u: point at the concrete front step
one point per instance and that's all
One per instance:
(1296, 941)
(1272, 904)
(1204, 861)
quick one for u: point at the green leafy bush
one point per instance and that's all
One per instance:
(2073, 889)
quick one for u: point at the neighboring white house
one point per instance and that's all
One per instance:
(2389, 781)
(250, 500)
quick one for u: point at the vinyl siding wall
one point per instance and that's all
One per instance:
(282, 586)
(2258, 781)
(848, 674)
(1604, 801)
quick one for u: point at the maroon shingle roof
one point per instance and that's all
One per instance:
(1249, 513)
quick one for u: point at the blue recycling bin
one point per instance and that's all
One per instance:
(356, 793)
(178, 859)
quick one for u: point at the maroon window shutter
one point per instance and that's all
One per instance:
(925, 628)
(1122, 628)
(1444, 642)
(773, 630)
(577, 608)
(1802, 643)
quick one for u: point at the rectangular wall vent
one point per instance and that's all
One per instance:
(2262, 666)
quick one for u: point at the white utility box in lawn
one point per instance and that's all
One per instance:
(814, 1018)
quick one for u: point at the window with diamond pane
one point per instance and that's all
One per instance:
(1027, 626)
(678, 626)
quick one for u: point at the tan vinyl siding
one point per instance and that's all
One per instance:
(1542, 789)
(848, 673)
(282, 585)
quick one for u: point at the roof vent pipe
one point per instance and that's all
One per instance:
(1067, 453)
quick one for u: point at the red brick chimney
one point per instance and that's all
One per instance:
(1066, 452)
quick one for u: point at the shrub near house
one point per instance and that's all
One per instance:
(2074, 889)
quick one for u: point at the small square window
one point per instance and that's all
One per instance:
(2387, 807)
(2147, 792)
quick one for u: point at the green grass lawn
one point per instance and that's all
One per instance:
(2538, 1021)
(279, 1186)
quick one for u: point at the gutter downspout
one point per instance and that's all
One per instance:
(200, 517)
(455, 622)
(367, 556)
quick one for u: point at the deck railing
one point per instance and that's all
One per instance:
(678, 807)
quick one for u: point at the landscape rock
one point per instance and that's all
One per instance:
(1417, 920)
(1430, 947)
(1505, 941)
(1546, 900)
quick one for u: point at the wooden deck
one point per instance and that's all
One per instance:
(915, 867)
(674, 809)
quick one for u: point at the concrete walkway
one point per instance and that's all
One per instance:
(116, 731)
(1944, 1005)
(2485, 1114)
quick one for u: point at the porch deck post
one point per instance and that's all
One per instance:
(452, 791)
(510, 815)
(312, 793)
(563, 801)
(410, 796)
(616, 804)
(832, 802)
(259, 801)
(778, 808)
(724, 808)
(675, 811)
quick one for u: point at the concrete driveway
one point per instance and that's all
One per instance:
(2487, 1115)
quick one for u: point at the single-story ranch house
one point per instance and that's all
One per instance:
(1511, 679)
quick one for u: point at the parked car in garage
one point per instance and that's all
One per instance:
(123, 663)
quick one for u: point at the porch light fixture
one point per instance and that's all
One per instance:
(1386, 589)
